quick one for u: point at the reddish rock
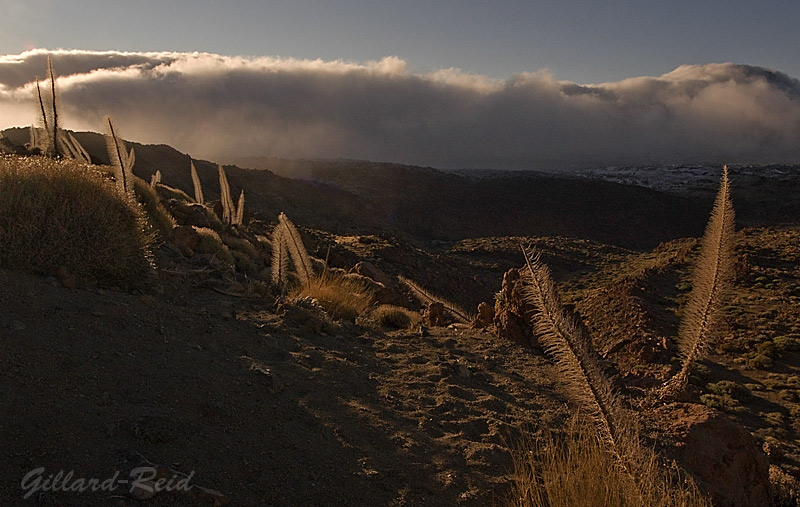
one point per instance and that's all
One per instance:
(434, 315)
(381, 294)
(369, 270)
(189, 214)
(512, 313)
(485, 317)
(721, 455)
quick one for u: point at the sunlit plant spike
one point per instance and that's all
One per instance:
(198, 188)
(712, 278)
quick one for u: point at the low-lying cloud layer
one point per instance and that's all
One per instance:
(213, 106)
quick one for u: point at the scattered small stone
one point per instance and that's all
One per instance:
(148, 300)
(144, 491)
(17, 325)
(65, 278)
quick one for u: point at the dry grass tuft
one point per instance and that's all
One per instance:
(575, 469)
(62, 213)
(341, 297)
(396, 317)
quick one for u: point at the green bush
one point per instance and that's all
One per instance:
(66, 214)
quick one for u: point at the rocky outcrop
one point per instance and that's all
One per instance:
(369, 270)
(189, 214)
(721, 455)
(381, 294)
(512, 312)
(435, 315)
(485, 317)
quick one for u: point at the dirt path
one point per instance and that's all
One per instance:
(94, 381)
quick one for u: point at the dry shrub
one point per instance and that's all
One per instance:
(245, 264)
(575, 469)
(240, 244)
(396, 317)
(341, 297)
(62, 213)
(210, 243)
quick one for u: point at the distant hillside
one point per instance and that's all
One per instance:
(424, 204)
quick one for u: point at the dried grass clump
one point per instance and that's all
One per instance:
(210, 243)
(342, 297)
(575, 469)
(62, 213)
(396, 317)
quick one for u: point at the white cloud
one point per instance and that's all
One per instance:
(211, 105)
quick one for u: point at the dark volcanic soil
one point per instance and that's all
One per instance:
(93, 381)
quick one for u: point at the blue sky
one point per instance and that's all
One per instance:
(580, 41)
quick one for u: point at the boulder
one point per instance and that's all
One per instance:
(369, 270)
(189, 214)
(381, 294)
(721, 455)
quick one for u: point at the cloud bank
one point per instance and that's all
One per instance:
(215, 106)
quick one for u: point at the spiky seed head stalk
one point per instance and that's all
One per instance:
(569, 346)
(53, 135)
(280, 258)
(240, 210)
(80, 150)
(296, 249)
(228, 212)
(426, 297)
(712, 278)
(198, 188)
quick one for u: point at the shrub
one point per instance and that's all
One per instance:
(396, 317)
(786, 343)
(730, 388)
(341, 297)
(210, 243)
(62, 213)
(724, 402)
